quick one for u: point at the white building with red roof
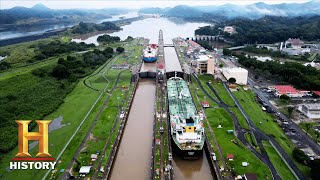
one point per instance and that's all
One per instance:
(287, 90)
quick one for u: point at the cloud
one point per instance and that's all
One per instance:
(265, 11)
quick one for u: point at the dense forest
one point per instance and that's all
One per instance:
(269, 29)
(83, 28)
(37, 93)
(303, 77)
(46, 50)
(107, 38)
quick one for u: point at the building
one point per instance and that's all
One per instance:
(230, 157)
(295, 43)
(296, 52)
(312, 111)
(194, 47)
(317, 93)
(229, 29)
(240, 74)
(205, 104)
(287, 90)
(85, 170)
(205, 64)
(294, 47)
(94, 157)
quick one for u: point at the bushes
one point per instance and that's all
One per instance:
(35, 94)
(106, 38)
(41, 72)
(300, 156)
(27, 97)
(120, 49)
(83, 28)
(303, 77)
(60, 72)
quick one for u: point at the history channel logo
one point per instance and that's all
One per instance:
(23, 159)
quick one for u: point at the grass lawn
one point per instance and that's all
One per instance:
(242, 154)
(251, 140)
(73, 110)
(218, 86)
(278, 163)
(264, 122)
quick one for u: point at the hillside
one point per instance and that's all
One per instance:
(268, 29)
(40, 14)
(252, 11)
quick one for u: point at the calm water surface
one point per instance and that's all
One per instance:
(38, 29)
(149, 28)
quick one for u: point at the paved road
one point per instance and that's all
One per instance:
(301, 135)
(239, 131)
(262, 136)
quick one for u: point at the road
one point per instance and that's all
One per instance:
(262, 136)
(301, 135)
(239, 131)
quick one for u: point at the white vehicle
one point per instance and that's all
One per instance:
(214, 156)
(122, 115)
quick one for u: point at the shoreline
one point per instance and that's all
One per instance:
(17, 40)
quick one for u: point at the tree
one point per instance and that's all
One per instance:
(290, 110)
(71, 58)
(285, 97)
(129, 38)
(232, 80)
(41, 72)
(120, 49)
(60, 72)
(227, 52)
(308, 126)
(300, 156)
(220, 65)
(108, 50)
(315, 169)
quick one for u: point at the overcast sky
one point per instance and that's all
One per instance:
(98, 4)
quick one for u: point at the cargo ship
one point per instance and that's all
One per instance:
(150, 53)
(186, 123)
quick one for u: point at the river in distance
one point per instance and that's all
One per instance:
(149, 28)
(38, 29)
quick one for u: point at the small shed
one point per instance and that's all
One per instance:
(205, 104)
(245, 164)
(94, 157)
(230, 131)
(230, 157)
(85, 170)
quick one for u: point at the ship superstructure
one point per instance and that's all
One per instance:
(187, 129)
(150, 53)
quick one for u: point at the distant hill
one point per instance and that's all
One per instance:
(40, 13)
(83, 28)
(252, 11)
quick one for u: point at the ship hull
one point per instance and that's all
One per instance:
(185, 154)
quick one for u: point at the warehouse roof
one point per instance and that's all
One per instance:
(284, 89)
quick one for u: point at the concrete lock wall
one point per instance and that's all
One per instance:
(147, 74)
